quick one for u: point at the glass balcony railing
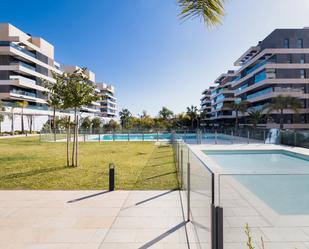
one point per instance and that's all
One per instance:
(220, 97)
(23, 79)
(238, 90)
(260, 93)
(14, 45)
(23, 65)
(260, 76)
(21, 92)
(256, 67)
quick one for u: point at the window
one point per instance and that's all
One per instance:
(299, 43)
(302, 73)
(302, 59)
(286, 43)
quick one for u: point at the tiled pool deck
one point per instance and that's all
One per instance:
(241, 206)
(92, 220)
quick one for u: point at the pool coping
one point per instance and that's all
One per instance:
(261, 207)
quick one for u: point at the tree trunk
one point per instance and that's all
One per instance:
(68, 141)
(54, 124)
(0, 127)
(74, 139)
(76, 149)
(22, 121)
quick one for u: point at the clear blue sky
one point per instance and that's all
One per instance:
(142, 47)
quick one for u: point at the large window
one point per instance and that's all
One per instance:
(299, 43)
(302, 59)
(302, 73)
(286, 43)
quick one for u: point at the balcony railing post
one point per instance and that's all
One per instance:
(188, 189)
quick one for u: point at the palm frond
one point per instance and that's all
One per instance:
(211, 11)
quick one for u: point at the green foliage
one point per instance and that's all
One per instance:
(281, 103)
(86, 123)
(255, 117)
(211, 11)
(124, 115)
(165, 113)
(112, 125)
(96, 123)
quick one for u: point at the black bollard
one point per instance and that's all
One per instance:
(111, 177)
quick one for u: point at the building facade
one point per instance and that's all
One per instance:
(25, 62)
(278, 65)
(108, 101)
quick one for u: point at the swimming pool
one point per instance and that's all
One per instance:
(278, 177)
(189, 138)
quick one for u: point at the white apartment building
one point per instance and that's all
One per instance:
(24, 61)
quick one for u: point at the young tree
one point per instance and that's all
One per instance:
(238, 107)
(192, 112)
(86, 123)
(66, 123)
(54, 96)
(124, 115)
(22, 104)
(255, 117)
(281, 103)
(211, 11)
(96, 124)
(78, 91)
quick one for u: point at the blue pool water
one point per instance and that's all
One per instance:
(277, 177)
(190, 138)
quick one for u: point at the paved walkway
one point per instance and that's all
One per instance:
(92, 220)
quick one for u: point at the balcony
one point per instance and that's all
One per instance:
(259, 93)
(22, 79)
(24, 93)
(27, 52)
(288, 90)
(20, 63)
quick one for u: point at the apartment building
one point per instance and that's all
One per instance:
(25, 62)
(108, 101)
(278, 65)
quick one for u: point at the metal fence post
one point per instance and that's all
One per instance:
(84, 136)
(143, 136)
(113, 136)
(99, 137)
(188, 188)
(248, 136)
(295, 137)
(157, 136)
(128, 136)
(264, 136)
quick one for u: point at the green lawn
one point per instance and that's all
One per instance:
(26, 163)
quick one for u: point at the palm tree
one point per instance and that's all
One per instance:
(211, 11)
(165, 113)
(255, 117)
(238, 107)
(124, 115)
(281, 103)
(192, 112)
(22, 104)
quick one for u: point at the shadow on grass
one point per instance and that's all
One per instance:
(152, 177)
(33, 172)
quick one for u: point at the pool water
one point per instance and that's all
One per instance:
(279, 178)
(189, 138)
